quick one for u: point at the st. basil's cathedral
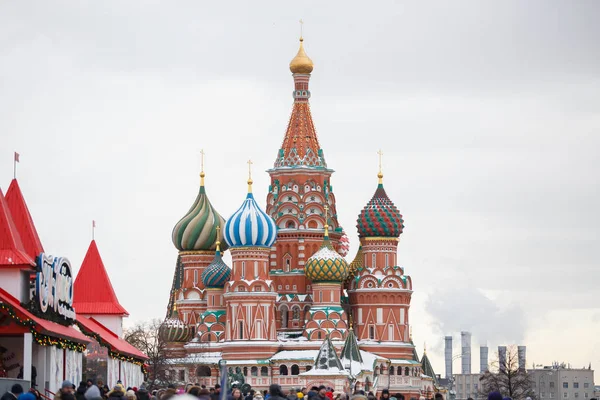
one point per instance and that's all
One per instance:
(290, 309)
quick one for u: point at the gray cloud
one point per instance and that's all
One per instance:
(487, 114)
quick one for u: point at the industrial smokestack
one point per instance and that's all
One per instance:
(466, 352)
(483, 359)
(448, 354)
(502, 358)
(522, 353)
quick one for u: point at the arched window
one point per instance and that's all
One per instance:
(399, 371)
(295, 370)
(290, 225)
(376, 372)
(406, 373)
(264, 371)
(296, 314)
(245, 371)
(312, 225)
(283, 370)
(392, 370)
(254, 371)
(308, 367)
(203, 370)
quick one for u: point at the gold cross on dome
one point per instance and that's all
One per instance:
(202, 160)
(301, 25)
(250, 169)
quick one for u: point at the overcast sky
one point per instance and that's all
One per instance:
(487, 113)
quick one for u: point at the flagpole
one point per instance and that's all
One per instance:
(14, 167)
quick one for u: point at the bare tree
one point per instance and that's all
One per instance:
(507, 378)
(146, 337)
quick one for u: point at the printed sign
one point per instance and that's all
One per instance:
(54, 287)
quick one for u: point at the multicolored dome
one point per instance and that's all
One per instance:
(380, 217)
(344, 245)
(250, 226)
(174, 330)
(326, 265)
(197, 230)
(356, 264)
(217, 273)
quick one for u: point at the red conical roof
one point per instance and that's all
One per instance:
(12, 253)
(94, 294)
(23, 221)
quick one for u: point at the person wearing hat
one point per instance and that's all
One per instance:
(117, 393)
(130, 395)
(93, 393)
(65, 388)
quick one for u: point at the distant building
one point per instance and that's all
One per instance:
(560, 382)
(466, 385)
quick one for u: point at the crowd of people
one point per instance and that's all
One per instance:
(98, 391)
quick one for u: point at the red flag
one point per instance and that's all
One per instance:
(16, 157)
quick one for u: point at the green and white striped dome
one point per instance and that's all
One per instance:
(197, 230)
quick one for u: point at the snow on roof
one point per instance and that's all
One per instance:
(213, 358)
(326, 372)
(296, 355)
(403, 361)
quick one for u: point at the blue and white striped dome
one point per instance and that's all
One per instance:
(250, 226)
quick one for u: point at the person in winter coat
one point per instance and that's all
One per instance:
(385, 395)
(275, 392)
(14, 392)
(93, 393)
(66, 388)
(116, 394)
(130, 395)
(204, 394)
(292, 395)
(142, 393)
(236, 394)
(80, 393)
(258, 396)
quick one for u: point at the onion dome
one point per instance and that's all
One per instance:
(301, 64)
(197, 230)
(380, 217)
(217, 273)
(356, 264)
(344, 245)
(250, 226)
(326, 265)
(174, 330)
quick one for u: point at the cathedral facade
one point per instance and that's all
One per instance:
(290, 309)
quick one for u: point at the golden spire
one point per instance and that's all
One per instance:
(380, 174)
(350, 321)
(301, 64)
(218, 242)
(249, 176)
(424, 348)
(326, 221)
(202, 167)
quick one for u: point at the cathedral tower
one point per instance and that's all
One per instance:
(250, 295)
(300, 190)
(195, 236)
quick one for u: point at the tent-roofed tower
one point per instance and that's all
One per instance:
(328, 369)
(23, 221)
(14, 260)
(94, 295)
(299, 191)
